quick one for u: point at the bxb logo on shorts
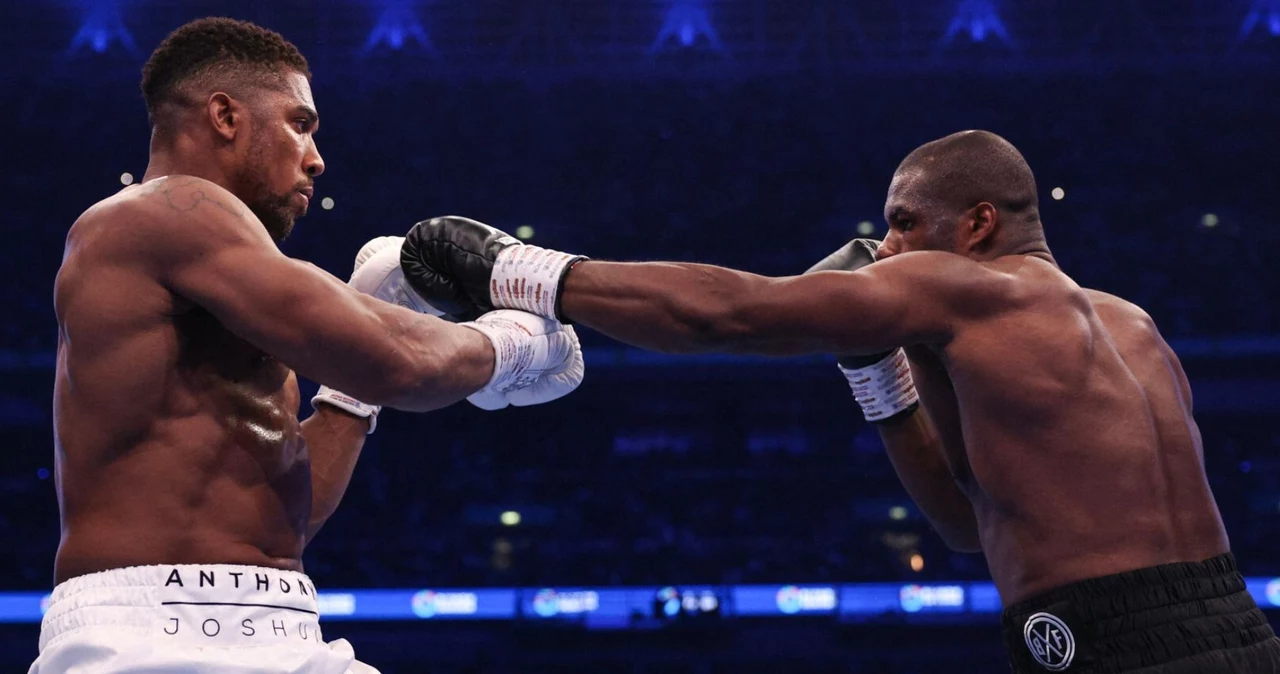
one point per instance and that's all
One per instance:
(1050, 641)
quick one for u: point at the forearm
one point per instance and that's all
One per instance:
(334, 439)
(915, 450)
(664, 306)
(428, 363)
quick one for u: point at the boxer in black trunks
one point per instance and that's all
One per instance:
(1065, 445)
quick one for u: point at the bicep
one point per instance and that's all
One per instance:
(280, 305)
(874, 309)
(218, 256)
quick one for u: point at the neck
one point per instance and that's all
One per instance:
(1031, 246)
(1034, 248)
(180, 156)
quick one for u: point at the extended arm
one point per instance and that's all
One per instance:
(465, 267)
(686, 308)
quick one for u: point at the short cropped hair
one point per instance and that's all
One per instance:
(215, 47)
(966, 168)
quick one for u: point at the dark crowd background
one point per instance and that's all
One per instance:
(756, 134)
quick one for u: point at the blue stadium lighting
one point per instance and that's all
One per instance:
(978, 18)
(685, 22)
(397, 24)
(1262, 11)
(103, 24)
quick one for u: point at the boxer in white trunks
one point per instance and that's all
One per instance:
(188, 487)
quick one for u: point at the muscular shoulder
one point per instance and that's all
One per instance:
(180, 220)
(184, 206)
(1118, 313)
(105, 270)
(966, 286)
(1132, 329)
(159, 214)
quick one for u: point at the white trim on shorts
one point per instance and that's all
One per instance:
(198, 604)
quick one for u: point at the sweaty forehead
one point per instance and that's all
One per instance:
(289, 90)
(904, 191)
(298, 89)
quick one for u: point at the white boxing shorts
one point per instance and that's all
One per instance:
(193, 619)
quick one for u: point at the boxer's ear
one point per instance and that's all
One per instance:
(226, 115)
(980, 226)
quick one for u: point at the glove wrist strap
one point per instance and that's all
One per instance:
(347, 404)
(528, 278)
(883, 389)
(512, 356)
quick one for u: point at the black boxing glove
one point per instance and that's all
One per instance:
(467, 268)
(881, 382)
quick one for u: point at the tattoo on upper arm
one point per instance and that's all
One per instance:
(187, 196)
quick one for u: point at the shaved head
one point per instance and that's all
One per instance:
(946, 185)
(966, 168)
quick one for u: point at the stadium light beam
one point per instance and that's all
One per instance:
(1262, 11)
(977, 18)
(103, 24)
(396, 25)
(685, 22)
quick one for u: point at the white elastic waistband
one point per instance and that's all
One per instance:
(214, 604)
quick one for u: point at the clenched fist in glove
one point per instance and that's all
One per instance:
(882, 382)
(535, 360)
(377, 273)
(467, 268)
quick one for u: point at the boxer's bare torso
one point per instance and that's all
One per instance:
(176, 441)
(1066, 419)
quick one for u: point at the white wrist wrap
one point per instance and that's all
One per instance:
(348, 404)
(512, 355)
(528, 278)
(885, 388)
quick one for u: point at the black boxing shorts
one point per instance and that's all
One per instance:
(1190, 618)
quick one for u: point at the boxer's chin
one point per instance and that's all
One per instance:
(277, 217)
(282, 232)
(282, 228)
